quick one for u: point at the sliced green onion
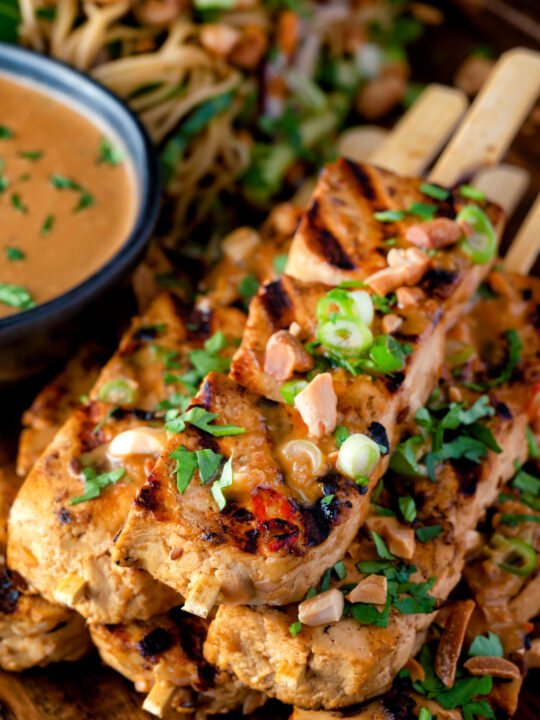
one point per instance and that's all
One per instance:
(387, 354)
(358, 456)
(346, 335)
(389, 215)
(291, 389)
(363, 306)
(434, 191)
(117, 392)
(513, 555)
(336, 302)
(472, 193)
(482, 245)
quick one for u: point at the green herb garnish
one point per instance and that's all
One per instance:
(94, 483)
(472, 193)
(16, 296)
(30, 154)
(434, 191)
(428, 533)
(14, 254)
(18, 204)
(5, 132)
(109, 153)
(47, 225)
(489, 646)
(226, 480)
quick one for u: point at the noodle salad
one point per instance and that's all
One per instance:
(244, 98)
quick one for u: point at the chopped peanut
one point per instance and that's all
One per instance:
(250, 49)
(202, 595)
(138, 441)
(384, 281)
(317, 405)
(70, 589)
(455, 394)
(401, 541)
(408, 297)
(495, 666)
(434, 233)
(327, 607)
(391, 323)
(284, 218)
(159, 698)
(405, 267)
(451, 640)
(372, 589)
(415, 669)
(219, 38)
(285, 355)
(505, 695)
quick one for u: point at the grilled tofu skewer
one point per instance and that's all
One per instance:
(275, 529)
(72, 504)
(335, 665)
(506, 597)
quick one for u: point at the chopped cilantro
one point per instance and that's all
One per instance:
(428, 533)
(16, 296)
(339, 569)
(14, 254)
(60, 182)
(209, 463)
(384, 304)
(514, 520)
(46, 12)
(489, 646)
(280, 261)
(5, 132)
(47, 225)
(327, 499)
(382, 551)
(85, 201)
(248, 287)
(201, 419)
(340, 434)
(407, 508)
(94, 483)
(423, 210)
(18, 204)
(532, 445)
(295, 628)
(403, 460)
(109, 153)
(186, 464)
(30, 154)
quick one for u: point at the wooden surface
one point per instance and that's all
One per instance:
(88, 691)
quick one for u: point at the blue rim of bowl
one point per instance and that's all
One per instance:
(47, 72)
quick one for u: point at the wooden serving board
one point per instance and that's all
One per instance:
(88, 691)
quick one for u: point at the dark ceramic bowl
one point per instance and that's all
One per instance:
(32, 340)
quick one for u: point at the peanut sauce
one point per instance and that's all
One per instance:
(67, 197)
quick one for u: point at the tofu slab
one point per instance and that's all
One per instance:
(64, 551)
(168, 649)
(345, 663)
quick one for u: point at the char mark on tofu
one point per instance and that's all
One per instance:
(327, 244)
(155, 643)
(9, 593)
(277, 303)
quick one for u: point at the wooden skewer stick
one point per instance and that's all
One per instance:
(505, 185)
(421, 133)
(360, 143)
(159, 698)
(494, 118)
(526, 245)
